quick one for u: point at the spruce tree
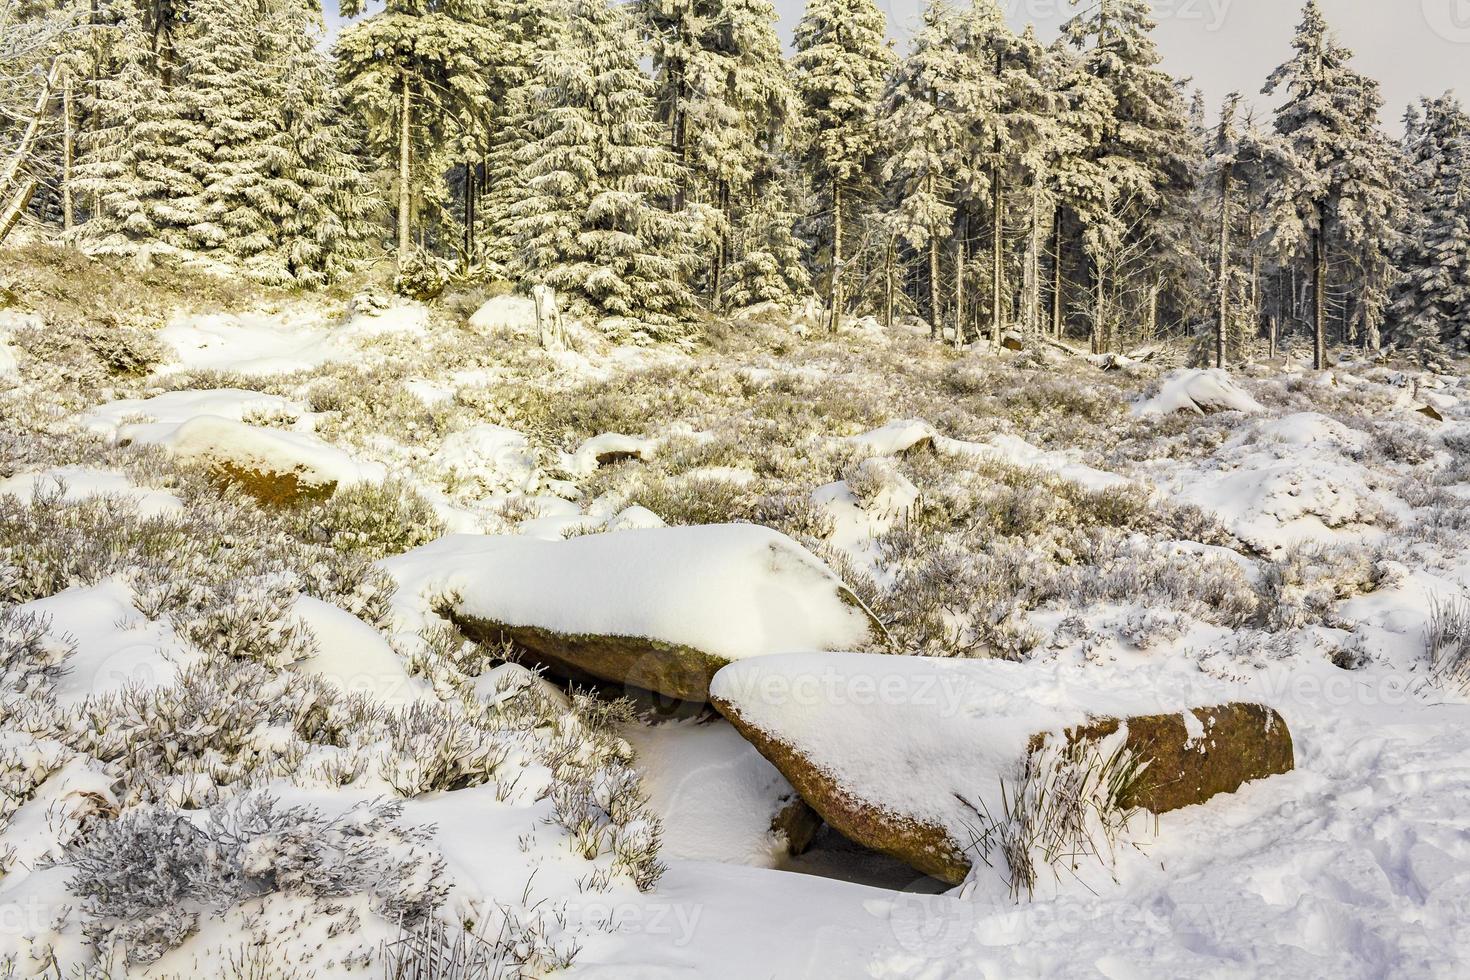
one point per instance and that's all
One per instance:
(1337, 190)
(1432, 305)
(926, 111)
(594, 222)
(1145, 156)
(839, 70)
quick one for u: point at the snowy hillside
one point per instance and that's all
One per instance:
(245, 735)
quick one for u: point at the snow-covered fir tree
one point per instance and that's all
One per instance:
(1336, 191)
(840, 67)
(925, 112)
(146, 150)
(1432, 307)
(724, 98)
(594, 222)
(1146, 158)
(418, 73)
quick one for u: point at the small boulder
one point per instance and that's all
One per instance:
(660, 609)
(911, 756)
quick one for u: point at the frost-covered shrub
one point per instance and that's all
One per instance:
(423, 276)
(145, 878)
(376, 520)
(1303, 585)
(31, 657)
(1447, 644)
(1398, 442)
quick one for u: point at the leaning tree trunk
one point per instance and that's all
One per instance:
(1319, 298)
(836, 292)
(1222, 285)
(405, 196)
(17, 206)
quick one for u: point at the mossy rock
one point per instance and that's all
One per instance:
(270, 489)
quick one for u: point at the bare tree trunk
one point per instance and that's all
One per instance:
(888, 285)
(405, 195)
(935, 325)
(1056, 277)
(1222, 285)
(997, 255)
(1033, 268)
(68, 153)
(1099, 341)
(1319, 298)
(836, 294)
(959, 291)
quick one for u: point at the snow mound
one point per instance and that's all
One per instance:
(116, 646)
(1015, 451)
(495, 457)
(354, 657)
(896, 437)
(509, 314)
(165, 413)
(1201, 391)
(1279, 482)
(224, 441)
(277, 343)
(732, 591)
(604, 449)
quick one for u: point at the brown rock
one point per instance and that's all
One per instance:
(798, 823)
(1429, 411)
(650, 665)
(1242, 742)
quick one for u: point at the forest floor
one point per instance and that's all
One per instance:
(1303, 540)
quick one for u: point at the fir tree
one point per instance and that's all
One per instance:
(1337, 188)
(926, 111)
(839, 70)
(1432, 305)
(593, 223)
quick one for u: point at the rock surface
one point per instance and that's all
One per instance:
(900, 754)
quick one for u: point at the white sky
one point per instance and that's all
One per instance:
(1414, 47)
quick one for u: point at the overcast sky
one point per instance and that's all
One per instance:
(1414, 47)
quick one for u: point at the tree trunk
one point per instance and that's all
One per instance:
(68, 154)
(959, 292)
(888, 285)
(935, 330)
(1056, 274)
(836, 293)
(997, 255)
(1099, 342)
(405, 195)
(17, 206)
(1222, 284)
(1033, 268)
(1319, 298)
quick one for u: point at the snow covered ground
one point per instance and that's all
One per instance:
(1297, 539)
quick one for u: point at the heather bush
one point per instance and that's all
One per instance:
(144, 879)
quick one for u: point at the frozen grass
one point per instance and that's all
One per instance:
(1447, 644)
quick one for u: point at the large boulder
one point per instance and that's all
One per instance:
(920, 758)
(660, 609)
